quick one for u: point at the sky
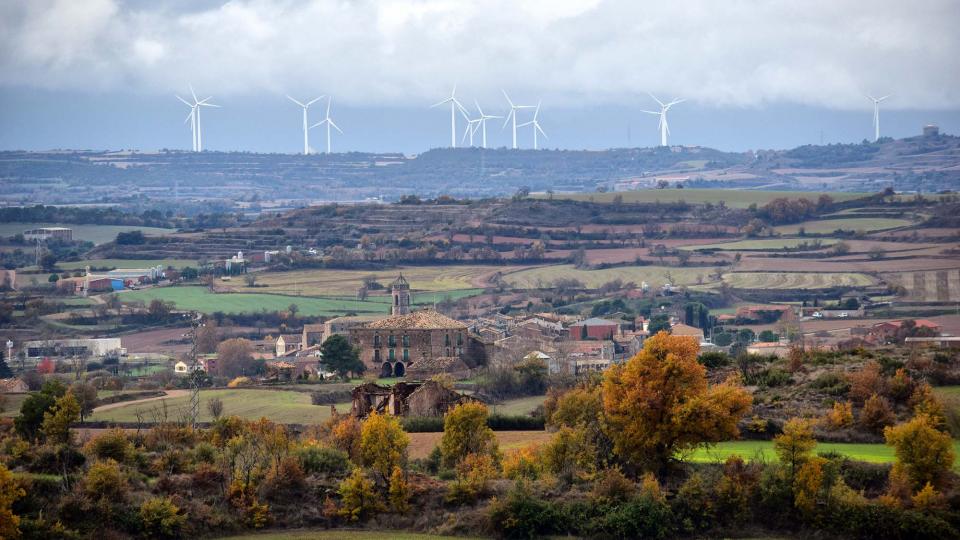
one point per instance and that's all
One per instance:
(102, 74)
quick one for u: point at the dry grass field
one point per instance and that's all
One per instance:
(739, 198)
(825, 226)
(346, 282)
(655, 276)
(928, 286)
(796, 280)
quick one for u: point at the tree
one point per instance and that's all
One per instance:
(206, 337)
(768, 336)
(53, 278)
(659, 323)
(358, 495)
(250, 279)
(10, 491)
(35, 407)
(86, 395)
(159, 311)
(399, 492)
(235, 358)
(794, 445)
(339, 356)
(161, 518)
(56, 422)
(569, 454)
(215, 407)
(659, 403)
(877, 414)
(383, 444)
(465, 431)
(5, 371)
(924, 452)
(876, 253)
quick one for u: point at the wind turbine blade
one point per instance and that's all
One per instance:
(477, 103)
(314, 100)
(674, 102)
(651, 112)
(507, 121)
(320, 123)
(540, 129)
(189, 117)
(192, 93)
(185, 102)
(295, 101)
(525, 124)
(465, 133)
(204, 104)
(463, 113)
(329, 101)
(655, 99)
(537, 112)
(439, 103)
(508, 98)
(454, 93)
(884, 97)
(334, 125)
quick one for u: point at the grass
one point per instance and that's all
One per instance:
(98, 234)
(824, 226)
(796, 280)
(760, 245)
(655, 276)
(202, 300)
(281, 406)
(338, 534)
(519, 406)
(734, 198)
(328, 282)
(128, 263)
(871, 453)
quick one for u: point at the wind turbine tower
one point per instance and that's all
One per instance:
(454, 105)
(876, 115)
(306, 129)
(512, 115)
(664, 107)
(194, 117)
(329, 122)
(536, 126)
(483, 123)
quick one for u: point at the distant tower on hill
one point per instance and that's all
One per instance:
(400, 290)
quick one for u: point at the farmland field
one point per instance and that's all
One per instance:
(739, 198)
(346, 282)
(519, 406)
(340, 534)
(654, 275)
(278, 405)
(128, 263)
(763, 244)
(824, 226)
(796, 280)
(202, 300)
(872, 453)
(933, 286)
(98, 234)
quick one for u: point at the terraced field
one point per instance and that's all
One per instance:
(771, 244)
(824, 226)
(738, 198)
(98, 234)
(202, 300)
(930, 286)
(796, 280)
(346, 282)
(655, 276)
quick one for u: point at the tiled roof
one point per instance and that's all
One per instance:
(426, 319)
(595, 321)
(681, 329)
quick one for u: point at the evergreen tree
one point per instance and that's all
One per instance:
(5, 371)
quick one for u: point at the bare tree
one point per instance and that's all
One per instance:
(215, 407)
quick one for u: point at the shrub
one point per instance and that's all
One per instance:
(10, 491)
(240, 381)
(694, 506)
(399, 492)
(161, 518)
(502, 422)
(105, 481)
(112, 444)
(523, 464)
(712, 360)
(569, 455)
(612, 485)
(866, 382)
(465, 432)
(316, 459)
(358, 497)
(345, 435)
(831, 383)
(877, 414)
(521, 514)
(474, 473)
(644, 516)
(840, 416)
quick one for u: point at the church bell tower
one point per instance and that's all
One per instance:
(400, 290)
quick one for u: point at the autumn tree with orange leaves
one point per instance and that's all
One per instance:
(658, 403)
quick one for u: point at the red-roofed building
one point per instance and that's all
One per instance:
(594, 328)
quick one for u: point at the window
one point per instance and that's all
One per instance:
(391, 340)
(392, 355)
(376, 340)
(406, 355)
(447, 353)
(406, 340)
(446, 341)
(376, 355)
(459, 340)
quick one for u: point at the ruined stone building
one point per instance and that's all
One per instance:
(428, 398)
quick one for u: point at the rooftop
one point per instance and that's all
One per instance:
(426, 319)
(595, 321)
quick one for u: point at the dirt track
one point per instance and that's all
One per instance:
(169, 394)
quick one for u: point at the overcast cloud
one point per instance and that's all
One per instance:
(406, 52)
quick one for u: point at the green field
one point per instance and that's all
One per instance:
(128, 263)
(338, 534)
(423, 280)
(519, 406)
(195, 298)
(872, 453)
(655, 276)
(796, 280)
(734, 198)
(826, 226)
(282, 406)
(98, 234)
(767, 244)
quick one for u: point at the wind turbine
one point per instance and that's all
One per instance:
(192, 118)
(329, 122)
(536, 126)
(483, 122)
(454, 105)
(306, 130)
(664, 107)
(513, 115)
(473, 124)
(195, 117)
(876, 115)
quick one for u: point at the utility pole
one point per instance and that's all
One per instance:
(195, 378)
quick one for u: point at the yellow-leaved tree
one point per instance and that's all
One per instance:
(923, 452)
(465, 432)
(383, 444)
(10, 491)
(659, 403)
